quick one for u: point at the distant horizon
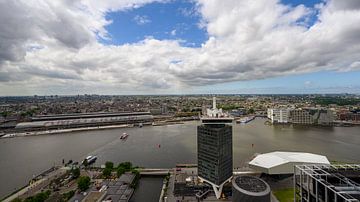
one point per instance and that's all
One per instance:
(194, 94)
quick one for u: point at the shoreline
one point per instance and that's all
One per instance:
(70, 130)
(61, 131)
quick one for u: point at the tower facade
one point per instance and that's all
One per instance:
(214, 144)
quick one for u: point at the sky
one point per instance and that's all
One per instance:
(70, 47)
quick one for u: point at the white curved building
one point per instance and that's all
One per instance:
(278, 162)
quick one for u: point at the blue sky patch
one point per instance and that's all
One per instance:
(175, 20)
(307, 3)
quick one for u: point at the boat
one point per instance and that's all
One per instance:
(9, 135)
(246, 119)
(124, 136)
(90, 159)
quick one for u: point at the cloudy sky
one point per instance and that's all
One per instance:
(170, 47)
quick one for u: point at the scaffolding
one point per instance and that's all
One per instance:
(327, 183)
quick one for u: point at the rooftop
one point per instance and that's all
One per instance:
(277, 158)
(215, 115)
(251, 184)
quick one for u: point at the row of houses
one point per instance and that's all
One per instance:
(306, 116)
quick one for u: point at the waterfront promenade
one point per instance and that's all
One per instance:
(37, 185)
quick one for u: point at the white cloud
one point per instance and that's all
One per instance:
(142, 19)
(49, 45)
(308, 83)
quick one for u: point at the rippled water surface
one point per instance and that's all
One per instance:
(164, 146)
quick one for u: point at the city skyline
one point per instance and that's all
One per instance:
(179, 47)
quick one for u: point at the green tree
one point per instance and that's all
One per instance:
(120, 171)
(5, 114)
(83, 183)
(40, 197)
(67, 196)
(75, 172)
(16, 200)
(109, 165)
(136, 179)
(126, 165)
(107, 172)
(251, 111)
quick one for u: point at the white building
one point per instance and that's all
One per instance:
(278, 115)
(275, 163)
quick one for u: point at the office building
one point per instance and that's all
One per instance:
(278, 115)
(312, 116)
(301, 116)
(214, 141)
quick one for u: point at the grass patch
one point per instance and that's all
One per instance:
(285, 195)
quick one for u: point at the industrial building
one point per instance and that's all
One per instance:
(214, 144)
(250, 188)
(280, 163)
(330, 183)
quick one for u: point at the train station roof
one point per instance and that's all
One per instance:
(279, 162)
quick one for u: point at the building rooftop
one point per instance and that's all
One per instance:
(216, 116)
(82, 121)
(251, 184)
(277, 158)
(284, 162)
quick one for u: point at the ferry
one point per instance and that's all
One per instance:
(90, 159)
(124, 136)
(246, 119)
(11, 135)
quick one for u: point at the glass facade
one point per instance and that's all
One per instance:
(215, 161)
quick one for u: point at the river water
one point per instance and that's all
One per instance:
(165, 146)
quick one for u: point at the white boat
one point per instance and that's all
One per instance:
(90, 159)
(246, 119)
(124, 136)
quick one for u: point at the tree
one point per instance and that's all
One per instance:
(75, 172)
(120, 171)
(5, 114)
(83, 183)
(126, 165)
(251, 111)
(109, 165)
(136, 179)
(107, 172)
(16, 200)
(40, 197)
(67, 196)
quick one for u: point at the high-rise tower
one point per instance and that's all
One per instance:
(214, 144)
